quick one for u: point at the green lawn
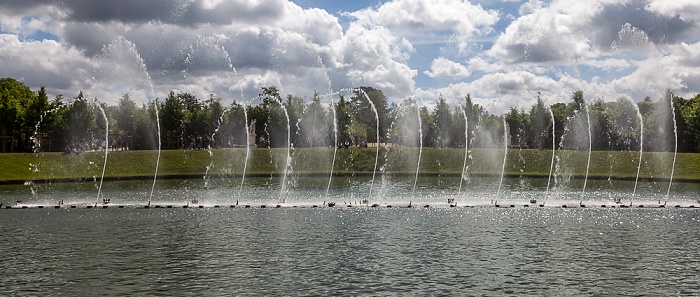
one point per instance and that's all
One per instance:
(17, 168)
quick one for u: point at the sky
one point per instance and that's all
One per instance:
(503, 53)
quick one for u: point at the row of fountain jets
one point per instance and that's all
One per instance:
(283, 189)
(123, 46)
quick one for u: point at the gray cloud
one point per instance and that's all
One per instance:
(181, 12)
(658, 28)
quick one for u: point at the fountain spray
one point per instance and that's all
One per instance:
(641, 146)
(335, 146)
(590, 144)
(505, 154)
(466, 148)
(551, 164)
(376, 157)
(288, 161)
(420, 149)
(104, 165)
(247, 142)
(675, 146)
(155, 175)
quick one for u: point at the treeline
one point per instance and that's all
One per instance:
(29, 121)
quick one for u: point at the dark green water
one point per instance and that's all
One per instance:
(350, 251)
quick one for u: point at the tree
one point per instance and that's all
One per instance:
(215, 111)
(578, 101)
(271, 120)
(441, 123)
(172, 121)
(234, 129)
(516, 122)
(343, 113)
(80, 121)
(35, 117)
(364, 114)
(146, 127)
(295, 110)
(539, 118)
(15, 98)
(126, 116)
(405, 130)
(562, 114)
(314, 124)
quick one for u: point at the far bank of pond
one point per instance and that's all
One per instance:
(20, 167)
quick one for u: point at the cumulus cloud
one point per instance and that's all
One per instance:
(565, 32)
(444, 68)
(44, 62)
(460, 16)
(686, 10)
(231, 48)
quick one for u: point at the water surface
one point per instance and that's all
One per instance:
(350, 251)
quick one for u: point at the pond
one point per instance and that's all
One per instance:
(440, 250)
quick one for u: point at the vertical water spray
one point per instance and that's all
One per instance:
(335, 146)
(551, 164)
(420, 149)
(288, 161)
(123, 53)
(248, 132)
(505, 154)
(641, 146)
(104, 165)
(590, 145)
(210, 149)
(376, 157)
(36, 148)
(675, 146)
(155, 175)
(335, 123)
(466, 149)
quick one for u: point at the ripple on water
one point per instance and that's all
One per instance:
(449, 251)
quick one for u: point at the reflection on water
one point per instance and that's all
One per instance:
(350, 251)
(390, 190)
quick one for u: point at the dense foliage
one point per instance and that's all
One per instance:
(29, 121)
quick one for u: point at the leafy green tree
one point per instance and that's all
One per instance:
(295, 110)
(405, 130)
(441, 123)
(145, 135)
(579, 102)
(688, 122)
(364, 115)
(271, 120)
(562, 114)
(80, 121)
(234, 129)
(35, 118)
(15, 98)
(516, 122)
(215, 111)
(126, 116)
(314, 124)
(343, 112)
(172, 122)
(540, 121)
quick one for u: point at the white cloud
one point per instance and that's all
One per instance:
(444, 68)
(546, 35)
(375, 57)
(44, 62)
(676, 70)
(604, 47)
(688, 10)
(461, 17)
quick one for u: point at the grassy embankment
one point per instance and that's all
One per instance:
(18, 168)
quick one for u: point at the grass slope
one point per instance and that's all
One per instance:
(18, 168)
